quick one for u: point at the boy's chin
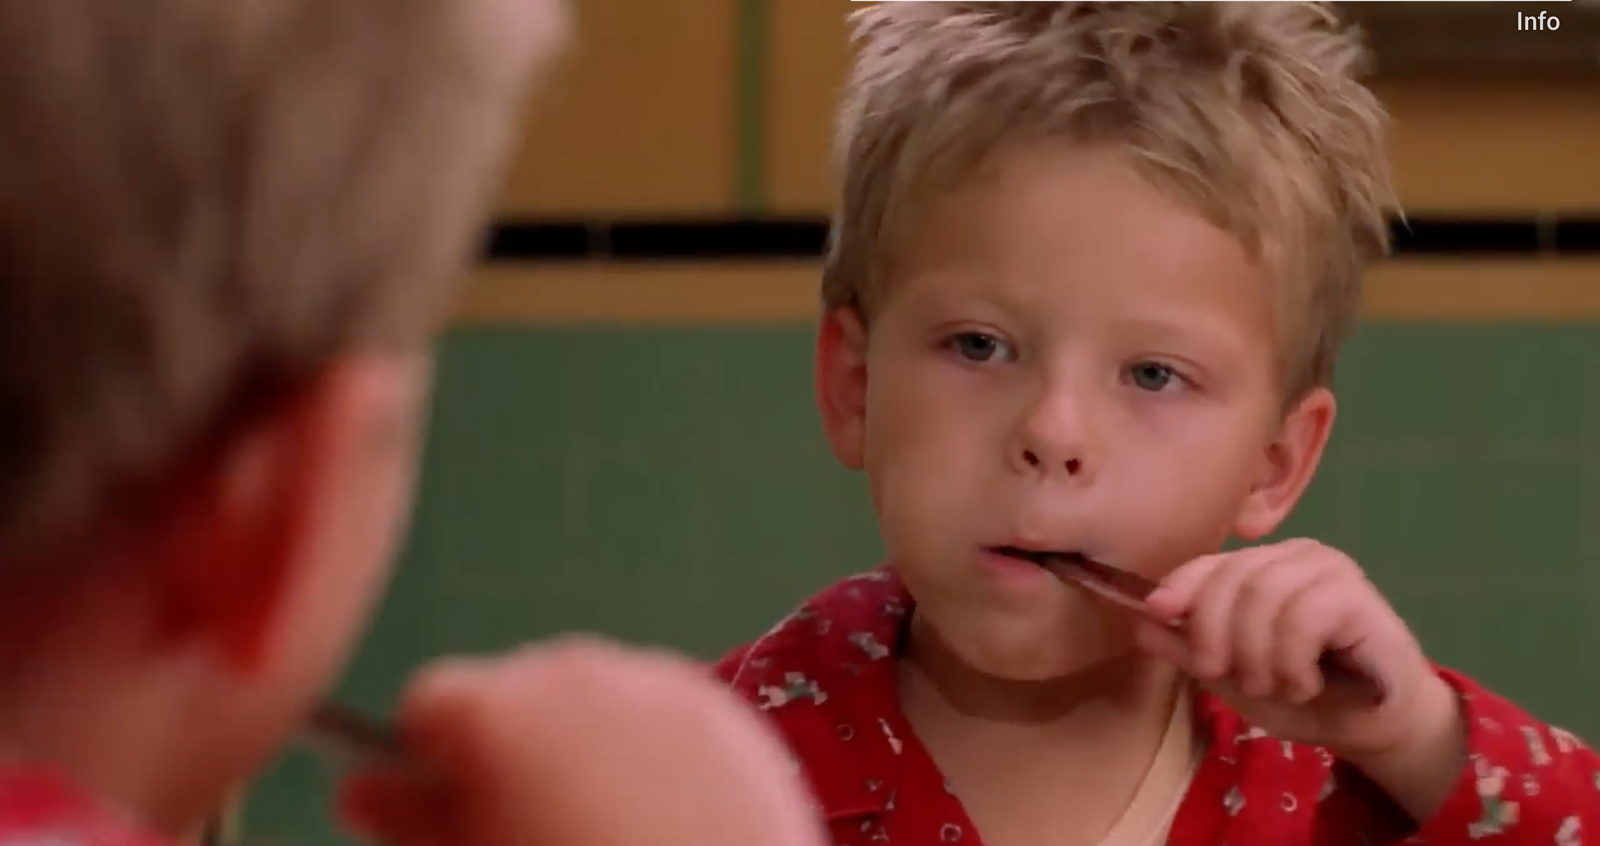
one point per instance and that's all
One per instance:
(1058, 666)
(261, 716)
(188, 773)
(1037, 654)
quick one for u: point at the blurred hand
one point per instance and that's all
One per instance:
(581, 743)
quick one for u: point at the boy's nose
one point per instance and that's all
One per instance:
(1053, 439)
(1072, 465)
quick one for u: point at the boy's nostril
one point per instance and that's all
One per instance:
(1031, 458)
(1073, 465)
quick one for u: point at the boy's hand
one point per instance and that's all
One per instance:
(581, 744)
(1257, 621)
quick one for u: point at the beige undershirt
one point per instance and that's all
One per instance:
(1148, 819)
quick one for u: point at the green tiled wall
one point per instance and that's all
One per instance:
(670, 485)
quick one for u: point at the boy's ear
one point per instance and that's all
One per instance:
(1290, 463)
(841, 383)
(232, 524)
(242, 528)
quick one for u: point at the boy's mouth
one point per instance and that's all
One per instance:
(1041, 557)
(1119, 586)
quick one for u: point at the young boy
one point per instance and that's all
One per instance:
(1091, 269)
(228, 229)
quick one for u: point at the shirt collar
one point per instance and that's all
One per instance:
(39, 804)
(826, 675)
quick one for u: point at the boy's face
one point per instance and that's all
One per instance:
(1067, 360)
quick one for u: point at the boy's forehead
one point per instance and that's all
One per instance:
(1075, 220)
(1098, 200)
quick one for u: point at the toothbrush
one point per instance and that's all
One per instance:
(348, 737)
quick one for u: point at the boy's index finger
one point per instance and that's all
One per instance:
(1176, 594)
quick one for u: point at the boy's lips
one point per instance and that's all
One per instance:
(1110, 583)
(1037, 554)
(1018, 566)
(1031, 548)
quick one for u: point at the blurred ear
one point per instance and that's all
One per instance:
(1289, 464)
(841, 383)
(247, 522)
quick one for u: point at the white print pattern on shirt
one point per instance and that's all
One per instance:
(1570, 833)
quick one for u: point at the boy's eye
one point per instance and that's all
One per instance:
(1152, 376)
(976, 346)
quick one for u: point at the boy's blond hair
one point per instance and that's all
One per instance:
(1249, 112)
(204, 201)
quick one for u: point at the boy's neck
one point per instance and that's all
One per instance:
(84, 697)
(935, 683)
(1058, 760)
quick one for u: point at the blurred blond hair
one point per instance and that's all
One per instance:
(203, 201)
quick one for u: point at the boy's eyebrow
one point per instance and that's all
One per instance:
(967, 288)
(1191, 326)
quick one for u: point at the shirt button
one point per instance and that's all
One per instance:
(950, 833)
(846, 732)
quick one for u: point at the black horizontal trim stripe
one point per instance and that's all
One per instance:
(781, 238)
(1466, 237)
(1578, 236)
(546, 241)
